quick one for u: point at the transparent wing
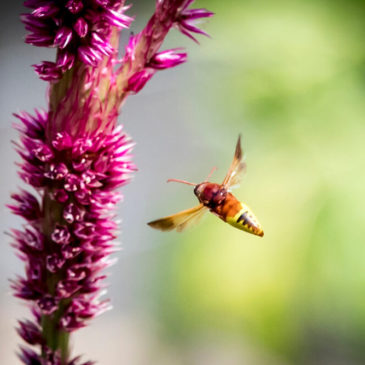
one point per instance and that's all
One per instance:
(235, 172)
(181, 220)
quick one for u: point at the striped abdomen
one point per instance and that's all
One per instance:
(238, 215)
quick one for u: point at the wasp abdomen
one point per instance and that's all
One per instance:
(238, 215)
(246, 221)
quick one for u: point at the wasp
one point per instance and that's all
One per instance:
(218, 199)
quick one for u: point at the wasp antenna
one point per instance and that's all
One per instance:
(210, 174)
(181, 181)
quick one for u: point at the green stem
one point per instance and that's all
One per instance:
(63, 342)
(55, 338)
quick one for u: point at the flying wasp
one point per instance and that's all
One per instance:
(218, 199)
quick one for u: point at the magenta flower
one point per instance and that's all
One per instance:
(70, 230)
(79, 29)
(188, 18)
(167, 59)
(75, 157)
(141, 59)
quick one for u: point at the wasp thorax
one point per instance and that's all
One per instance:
(210, 194)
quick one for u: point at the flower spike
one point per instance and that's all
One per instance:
(75, 158)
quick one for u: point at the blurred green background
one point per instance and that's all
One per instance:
(290, 77)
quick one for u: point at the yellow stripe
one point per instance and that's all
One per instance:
(251, 224)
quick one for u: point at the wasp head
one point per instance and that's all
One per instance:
(210, 194)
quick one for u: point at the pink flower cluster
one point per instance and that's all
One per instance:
(76, 157)
(70, 230)
(79, 29)
(143, 62)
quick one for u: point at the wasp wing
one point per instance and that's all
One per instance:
(236, 169)
(179, 221)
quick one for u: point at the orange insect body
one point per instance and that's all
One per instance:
(225, 205)
(218, 199)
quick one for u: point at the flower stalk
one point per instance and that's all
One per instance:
(75, 156)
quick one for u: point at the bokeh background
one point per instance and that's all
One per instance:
(290, 76)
